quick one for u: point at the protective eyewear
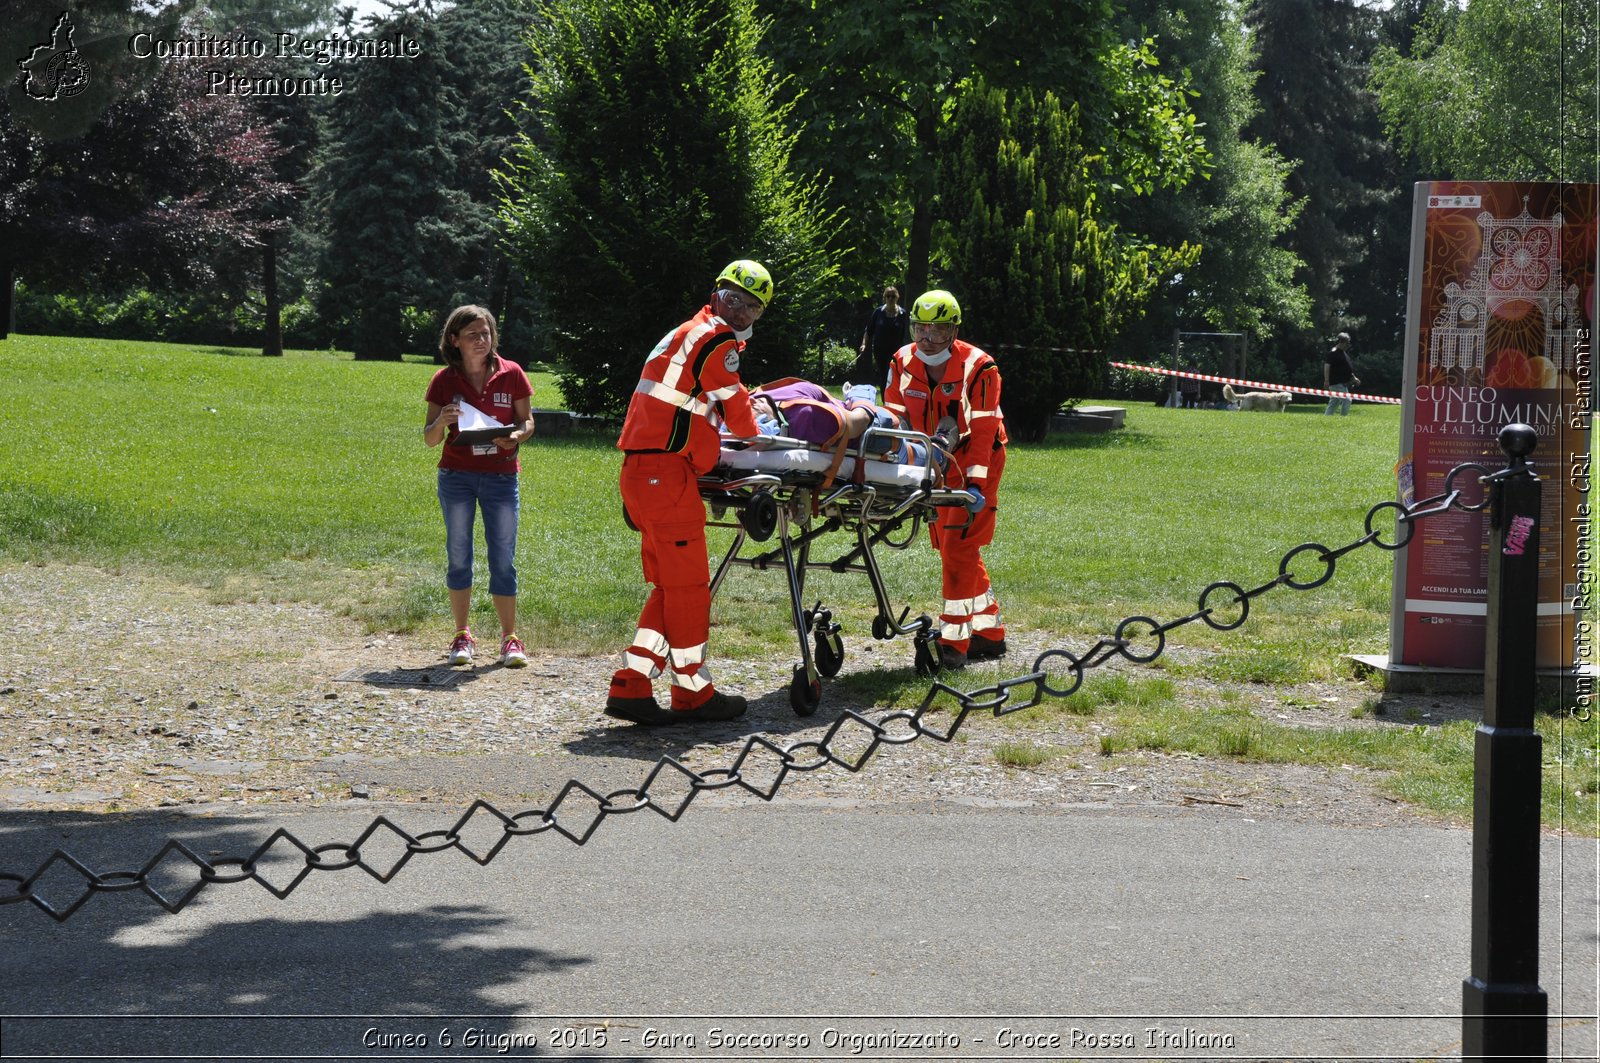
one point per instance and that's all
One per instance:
(932, 328)
(740, 301)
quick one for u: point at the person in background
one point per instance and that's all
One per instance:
(950, 390)
(887, 331)
(669, 442)
(1339, 374)
(479, 476)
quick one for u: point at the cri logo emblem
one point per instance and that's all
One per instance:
(56, 69)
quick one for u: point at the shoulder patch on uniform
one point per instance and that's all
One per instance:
(731, 360)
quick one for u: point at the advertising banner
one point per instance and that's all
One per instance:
(1498, 326)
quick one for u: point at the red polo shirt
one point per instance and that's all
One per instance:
(506, 384)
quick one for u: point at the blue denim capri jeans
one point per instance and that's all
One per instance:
(460, 495)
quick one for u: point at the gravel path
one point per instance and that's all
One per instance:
(123, 691)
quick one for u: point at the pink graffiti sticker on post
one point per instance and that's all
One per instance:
(1517, 536)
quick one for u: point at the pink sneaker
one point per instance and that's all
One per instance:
(461, 649)
(513, 654)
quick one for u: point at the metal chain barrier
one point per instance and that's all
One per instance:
(849, 743)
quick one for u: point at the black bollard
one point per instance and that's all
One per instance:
(1503, 1010)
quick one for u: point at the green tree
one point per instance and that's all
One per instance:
(873, 85)
(1244, 279)
(485, 41)
(1318, 112)
(163, 185)
(385, 191)
(1034, 264)
(1375, 293)
(294, 121)
(1496, 90)
(655, 155)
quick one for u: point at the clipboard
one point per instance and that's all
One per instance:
(475, 427)
(480, 435)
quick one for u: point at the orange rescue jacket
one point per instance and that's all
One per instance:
(968, 391)
(695, 366)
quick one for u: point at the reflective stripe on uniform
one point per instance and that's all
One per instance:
(648, 653)
(638, 662)
(689, 658)
(694, 681)
(672, 397)
(969, 606)
(977, 472)
(722, 393)
(679, 358)
(986, 621)
(651, 641)
(952, 632)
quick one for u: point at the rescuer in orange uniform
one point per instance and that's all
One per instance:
(946, 387)
(670, 442)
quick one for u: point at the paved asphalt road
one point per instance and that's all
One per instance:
(788, 931)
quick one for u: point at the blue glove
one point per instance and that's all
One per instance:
(978, 502)
(767, 426)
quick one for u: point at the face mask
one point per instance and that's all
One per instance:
(934, 359)
(744, 335)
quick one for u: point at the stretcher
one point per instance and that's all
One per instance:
(797, 493)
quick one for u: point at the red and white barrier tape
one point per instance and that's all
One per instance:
(1257, 384)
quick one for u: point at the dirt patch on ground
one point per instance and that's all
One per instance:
(125, 691)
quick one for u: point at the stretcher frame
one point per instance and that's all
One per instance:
(798, 510)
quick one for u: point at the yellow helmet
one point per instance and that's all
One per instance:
(748, 276)
(937, 307)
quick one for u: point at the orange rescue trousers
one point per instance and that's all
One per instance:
(662, 494)
(970, 608)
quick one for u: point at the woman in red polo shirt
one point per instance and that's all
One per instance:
(480, 475)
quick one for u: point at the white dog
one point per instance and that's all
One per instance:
(1271, 401)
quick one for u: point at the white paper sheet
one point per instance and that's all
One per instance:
(472, 419)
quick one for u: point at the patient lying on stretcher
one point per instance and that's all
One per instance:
(799, 409)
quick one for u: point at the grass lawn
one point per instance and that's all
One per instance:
(305, 478)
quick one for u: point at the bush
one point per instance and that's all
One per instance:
(836, 362)
(142, 314)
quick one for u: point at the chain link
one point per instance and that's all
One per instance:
(849, 743)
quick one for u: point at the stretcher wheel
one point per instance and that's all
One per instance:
(804, 695)
(830, 654)
(928, 662)
(760, 516)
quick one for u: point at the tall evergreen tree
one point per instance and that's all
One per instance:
(486, 42)
(1035, 266)
(1375, 294)
(655, 156)
(385, 188)
(1317, 111)
(1244, 279)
